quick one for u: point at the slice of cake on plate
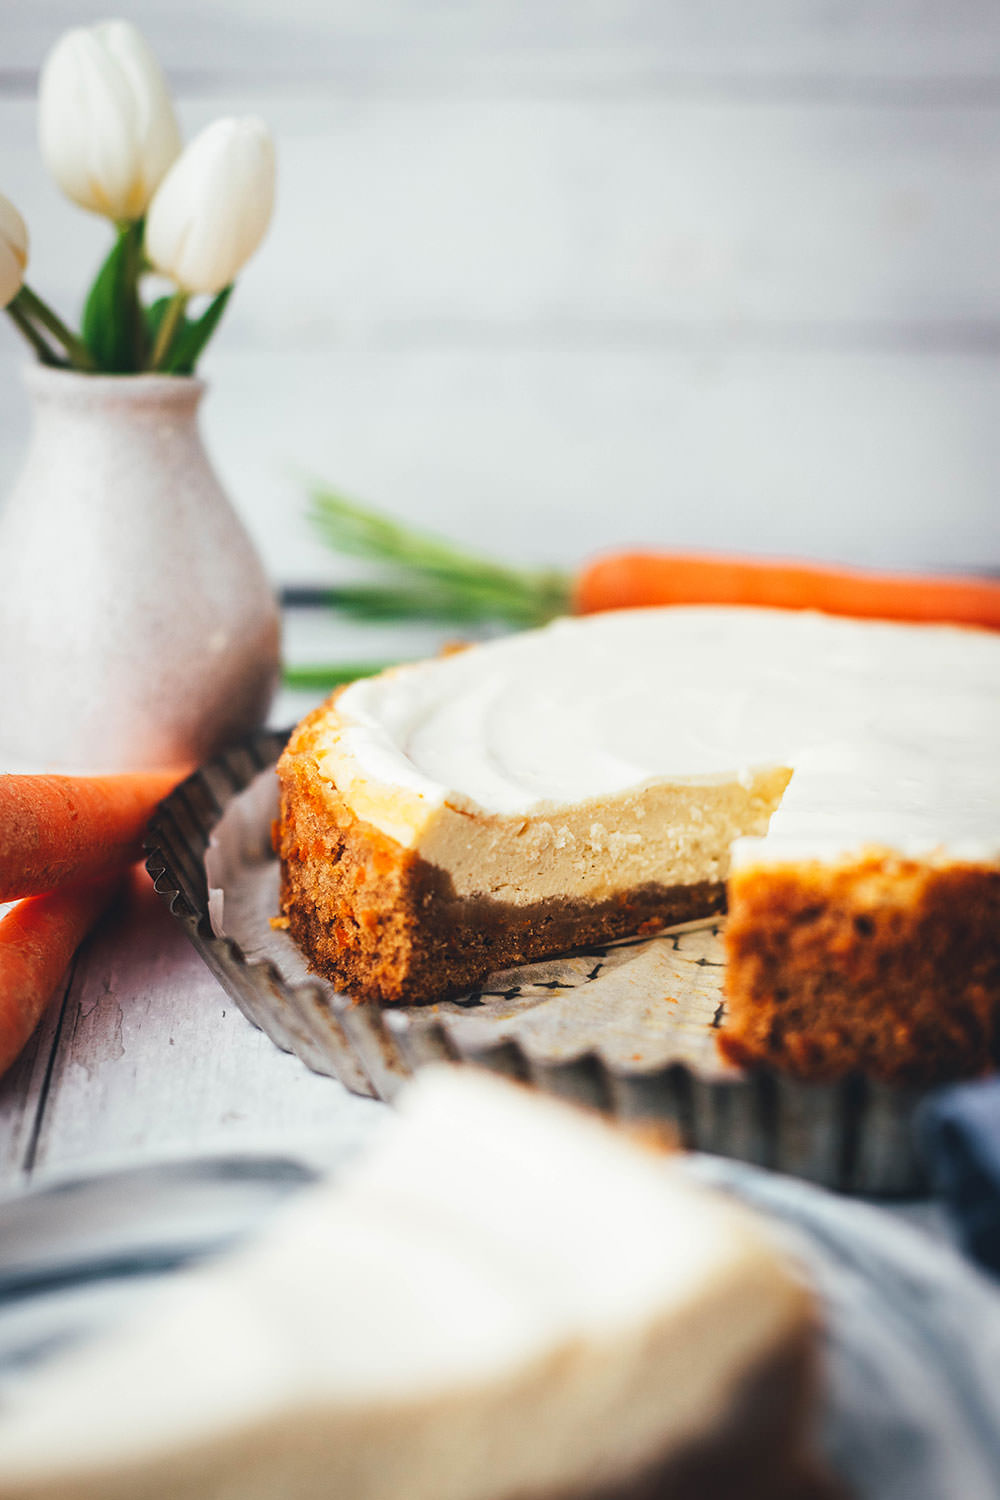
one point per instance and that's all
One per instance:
(505, 1299)
(593, 779)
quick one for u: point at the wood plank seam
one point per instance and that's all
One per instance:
(34, 1136)
(956, 90)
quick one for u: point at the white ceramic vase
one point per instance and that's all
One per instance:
(137, 626)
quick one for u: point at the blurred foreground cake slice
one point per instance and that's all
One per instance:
(593, 779)
(506, 1299)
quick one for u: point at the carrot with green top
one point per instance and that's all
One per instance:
(421, 576)
(60, 829)
(37, 941)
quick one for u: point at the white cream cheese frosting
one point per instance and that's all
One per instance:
(505, 1297)
(600, 753)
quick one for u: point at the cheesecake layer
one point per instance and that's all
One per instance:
(383, 922)
(503, 1300)
(388, 926)
(651, 831)
(891, 734)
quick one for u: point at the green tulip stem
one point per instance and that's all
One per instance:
(167, 331)
(132, 234)
(37, 311)
(24, 325)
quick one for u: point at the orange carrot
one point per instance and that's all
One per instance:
(55, 829)
(37, 940)
(633, 579)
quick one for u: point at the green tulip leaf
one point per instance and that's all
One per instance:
(113, 326)
(194, 334)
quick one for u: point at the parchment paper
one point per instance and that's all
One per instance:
(639, 1004)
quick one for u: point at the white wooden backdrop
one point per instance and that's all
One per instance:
(554, 275)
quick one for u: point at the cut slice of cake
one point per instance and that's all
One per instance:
(588, 781)
(505, 1299)
(881, 963)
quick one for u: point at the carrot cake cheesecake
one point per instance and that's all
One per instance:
(839, 780)
(503, 1299)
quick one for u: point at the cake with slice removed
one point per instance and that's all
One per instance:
(504, 1299)
(591, 780)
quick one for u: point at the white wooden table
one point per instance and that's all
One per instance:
(142, 1056)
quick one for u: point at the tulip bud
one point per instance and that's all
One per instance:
(214, 205)
(13, 251)
(106, 124)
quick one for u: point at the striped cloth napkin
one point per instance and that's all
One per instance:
(912, 1333)
(959, 1134)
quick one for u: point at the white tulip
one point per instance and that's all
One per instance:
(106, 124)
(214, 205)
(13, 251)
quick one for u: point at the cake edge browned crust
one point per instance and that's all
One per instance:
(388, 926)
(879, 964)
